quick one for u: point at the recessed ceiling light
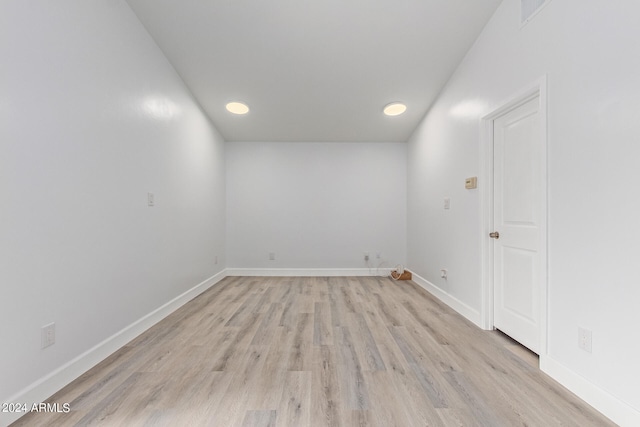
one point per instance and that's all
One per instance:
(237, 108)
(395, 109)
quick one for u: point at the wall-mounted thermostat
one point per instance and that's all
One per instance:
(470, 183)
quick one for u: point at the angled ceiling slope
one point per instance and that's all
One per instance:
(315, 70)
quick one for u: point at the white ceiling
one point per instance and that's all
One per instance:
(315, 70)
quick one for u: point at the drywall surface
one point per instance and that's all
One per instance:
(92, 118)
(315, 205)
(588, 51)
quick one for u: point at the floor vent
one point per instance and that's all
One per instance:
(529, 8)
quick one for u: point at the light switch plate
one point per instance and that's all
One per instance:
(585, 339)
(48, 335)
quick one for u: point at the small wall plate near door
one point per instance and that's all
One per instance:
(584, 339)
(471, 183)
(48, 335)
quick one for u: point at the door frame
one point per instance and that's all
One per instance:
(539, 89)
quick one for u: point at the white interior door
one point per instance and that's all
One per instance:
(517, 214)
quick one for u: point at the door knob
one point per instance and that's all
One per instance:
(494, 235)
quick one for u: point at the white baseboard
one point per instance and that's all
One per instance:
(462, 308)
(610, 406)
(45, 387)
(306, 272)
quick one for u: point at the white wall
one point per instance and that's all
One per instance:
(315, 205)
(92, 117)
(588, 50)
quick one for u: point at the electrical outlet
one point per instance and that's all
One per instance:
(272, 256)
(48, 335)
(443, 273)
(377, 255)
(366, 256)
(584, 339)
(151, 199)
(447, 203)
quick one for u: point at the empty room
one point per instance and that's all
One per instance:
(318, 213)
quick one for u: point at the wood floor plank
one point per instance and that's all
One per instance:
(404, 383)
(354, 390)
(265, 332)
(474, 401)
(269, 385)
(259, 419)
(335, 302)
(365, 345)
(326, 401)
(322, 329)
(318, 351)
(239, 344)
(289, 310)
(438, 395)
(441, 356)
(264, 302)
(300, 355)
(306, 295)
(360, 418)
(245, 310)
(116, 402)
(102, 379)
(387, 411)
(295, 404)
(232, 408)
(384, 311)
(202, 408)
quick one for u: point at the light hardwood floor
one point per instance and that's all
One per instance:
(347, 351)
